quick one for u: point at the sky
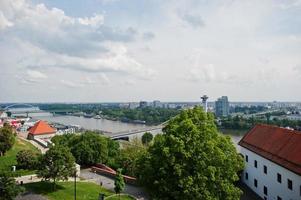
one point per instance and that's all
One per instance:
(132, 50)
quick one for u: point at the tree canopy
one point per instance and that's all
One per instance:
(7, 138)
(129, 156)
(88, 148)
(26, 159)
(8, 188)
(147, 137)
(192, 160)
(56, 164)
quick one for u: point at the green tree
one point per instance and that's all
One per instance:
(192, 160)
(90, 148)
(56, 164)
(7, 139)
(147, 137)
(129, 156)
(119, 183)
(26, 159)
(8, 188)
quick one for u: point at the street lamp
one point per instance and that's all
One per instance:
(75, 185)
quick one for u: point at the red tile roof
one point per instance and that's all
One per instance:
(279, 145)
(41, 128)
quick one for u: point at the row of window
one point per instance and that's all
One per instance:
(265, 171)
(265, 189)
(289, 182)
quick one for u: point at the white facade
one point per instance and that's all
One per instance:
(41, 136)
(3, 115)
(274, 189)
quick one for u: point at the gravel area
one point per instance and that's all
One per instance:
(30, 196)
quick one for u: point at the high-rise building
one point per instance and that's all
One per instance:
(143, 104)
(222, 107)
(157, 104)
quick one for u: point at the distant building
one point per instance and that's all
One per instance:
(3, 115)
(41, 130)
(222, 107)
(273, 162)
(143, 104)
(133, 105)
(157, 104)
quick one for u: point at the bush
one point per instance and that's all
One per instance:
(147, 138)
(7, 139)
(26, 159)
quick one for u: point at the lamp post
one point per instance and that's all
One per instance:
(75, 185)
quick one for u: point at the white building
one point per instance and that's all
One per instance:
(3, 115)
(273, 162)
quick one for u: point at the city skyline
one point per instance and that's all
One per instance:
(125, 51)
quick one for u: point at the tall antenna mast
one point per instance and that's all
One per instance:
(204, 102)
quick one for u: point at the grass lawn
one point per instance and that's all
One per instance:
(9, 159)
(65, 190)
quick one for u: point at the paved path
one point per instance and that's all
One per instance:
(108, 183)
(28, 179)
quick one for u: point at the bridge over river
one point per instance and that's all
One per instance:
(128, 135)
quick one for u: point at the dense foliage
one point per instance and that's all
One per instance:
(89, 148)
(149, 114)
(147, 138)
(129, 157)
(191, 161)
(56, 164)
(27, 159)
(8, 188)
(7, 139)
(238, 122)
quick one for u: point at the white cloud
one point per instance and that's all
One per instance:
(4, 23)
(36, 74)
(61, 41)
(71, 84)
(239, 44)
(94, 21)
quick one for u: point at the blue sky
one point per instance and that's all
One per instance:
(131, 50)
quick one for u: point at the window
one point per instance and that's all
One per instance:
(255, 163)
(279, 198)
(265, 169)
(265, 190)
(255, 182)
(289, 184)
(247, 176)
(279, 178)
(247, 158)
(300, 190)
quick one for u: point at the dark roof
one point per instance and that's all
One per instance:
(279, 145)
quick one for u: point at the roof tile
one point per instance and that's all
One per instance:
(41, 128)
(280, 145)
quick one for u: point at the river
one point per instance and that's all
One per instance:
(103, 124)
(91, 123)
